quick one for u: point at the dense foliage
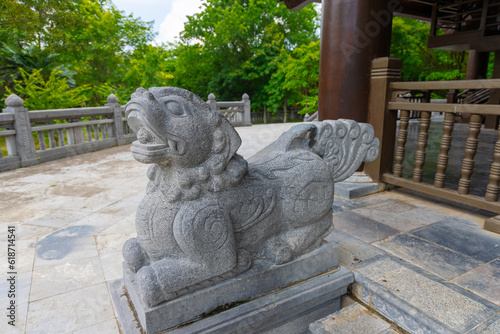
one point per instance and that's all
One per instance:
(409, 43)
(84, 50)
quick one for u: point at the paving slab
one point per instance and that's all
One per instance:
(354, 319)
(461, 238)
(492, 327)
(343, 204)
(402, 216)
(483, 281)
(70, 311)
(64, 277)
(362, 227)
(418, 301)
(432, 257)
(354, 252)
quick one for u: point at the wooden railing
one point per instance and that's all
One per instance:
(30, 137)
(388, 168)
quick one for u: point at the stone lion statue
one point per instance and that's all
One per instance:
(207, 213)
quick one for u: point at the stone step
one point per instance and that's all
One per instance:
(353, 319)
(420, 302)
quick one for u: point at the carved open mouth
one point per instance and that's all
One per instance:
(149, 146)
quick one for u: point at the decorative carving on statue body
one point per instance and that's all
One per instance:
(207, 213)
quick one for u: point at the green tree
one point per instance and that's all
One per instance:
(296, 80)
(236, 43)
(51, 93)
(92, 37)
(12, 61)
(100, 49)
(148, 66)
(409, 43)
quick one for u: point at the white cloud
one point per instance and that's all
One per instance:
(147, 10)
(173, 23)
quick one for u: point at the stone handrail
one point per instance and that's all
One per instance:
(31, 137)
(236, 112)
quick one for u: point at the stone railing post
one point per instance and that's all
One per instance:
(247, 120)
(211, 102)
(384, 71)
(117, 119)
(25, 145)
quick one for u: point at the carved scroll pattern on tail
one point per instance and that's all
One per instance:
(344, 145)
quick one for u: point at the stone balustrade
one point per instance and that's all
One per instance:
(236, 112)
(29, 137)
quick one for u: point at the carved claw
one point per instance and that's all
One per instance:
(279, 251)
(134, 255)
(148, 287)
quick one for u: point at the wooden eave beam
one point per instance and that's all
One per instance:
(419, 10)
(297, 4)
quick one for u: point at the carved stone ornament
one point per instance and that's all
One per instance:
(207, 213)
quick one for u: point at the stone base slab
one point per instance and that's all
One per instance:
(492, 224)
(352, 190)
(289, 310)
(263, 277)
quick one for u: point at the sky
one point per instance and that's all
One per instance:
(169, 15)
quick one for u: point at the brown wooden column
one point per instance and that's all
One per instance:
(477, 65)
(353, 33)
(384, 71)
(491, 122)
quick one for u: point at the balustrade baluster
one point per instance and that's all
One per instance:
(423, 136)
(61, 137)
(52, 140)
(400, 149)
(41, 140)
(109, 130)
(444, 148)
(492, 188)
(470, 152)
(89, 133)
(96, 132)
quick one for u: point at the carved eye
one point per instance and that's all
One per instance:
(175, 108)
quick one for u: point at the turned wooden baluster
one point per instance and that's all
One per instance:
(423, 136)
(400, 149)
(444, 148)
(470, 152)
(492, 188)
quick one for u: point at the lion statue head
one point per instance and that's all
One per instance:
(192, 148)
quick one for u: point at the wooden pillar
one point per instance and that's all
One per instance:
(353, 33)
(384, 71)
(477, 65)
(491, 122)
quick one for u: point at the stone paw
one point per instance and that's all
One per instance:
(279, 251)
(134, 255)
(244, 261)
(148, 287)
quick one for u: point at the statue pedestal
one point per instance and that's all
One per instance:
(261, 299)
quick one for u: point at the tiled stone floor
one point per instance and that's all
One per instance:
(72, 216)
(397, 237)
